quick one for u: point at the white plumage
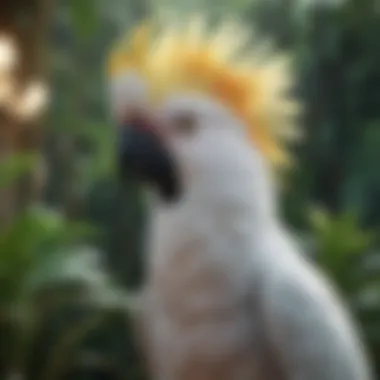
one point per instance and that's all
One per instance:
(228, 295)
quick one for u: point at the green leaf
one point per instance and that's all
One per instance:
(35, 237)
(84, 16)
(319, 219)
(341, 248)
(15, 166)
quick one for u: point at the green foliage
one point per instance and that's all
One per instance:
(345, 253)
(44, 264)
(341, 247)
(84, 16)
(44, 269)
(339, 237)
(32, 240)
(14, 167)
(364, 170)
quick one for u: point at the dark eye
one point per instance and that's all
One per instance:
(185, 124)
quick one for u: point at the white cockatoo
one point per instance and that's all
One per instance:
(203, 115)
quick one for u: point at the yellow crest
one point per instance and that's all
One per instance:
(221, 63)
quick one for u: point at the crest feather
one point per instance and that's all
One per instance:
(254, 82)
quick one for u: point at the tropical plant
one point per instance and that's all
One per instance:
(347, 253)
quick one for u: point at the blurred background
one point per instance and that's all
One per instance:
(70, 236)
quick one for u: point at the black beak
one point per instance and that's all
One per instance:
(142, 156)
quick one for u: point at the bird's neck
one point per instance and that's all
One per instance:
(207, 237)
(220, 217)
(238, 192)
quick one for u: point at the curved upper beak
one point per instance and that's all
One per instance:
(143, 156)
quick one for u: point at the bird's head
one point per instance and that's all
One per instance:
(200, 108)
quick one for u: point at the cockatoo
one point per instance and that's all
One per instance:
(204, 117)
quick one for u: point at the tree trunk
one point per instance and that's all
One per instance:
(26, 22)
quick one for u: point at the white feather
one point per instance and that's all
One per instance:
(228, 293)
(127, 92)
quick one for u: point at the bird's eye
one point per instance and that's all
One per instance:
(185, 124)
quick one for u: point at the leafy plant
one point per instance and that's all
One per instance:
(347, 253)
(14, 167)
(342, 247)
(84, 16)
(38, 236)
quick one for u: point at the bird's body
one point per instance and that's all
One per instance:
(228, 295)
(201, 297)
